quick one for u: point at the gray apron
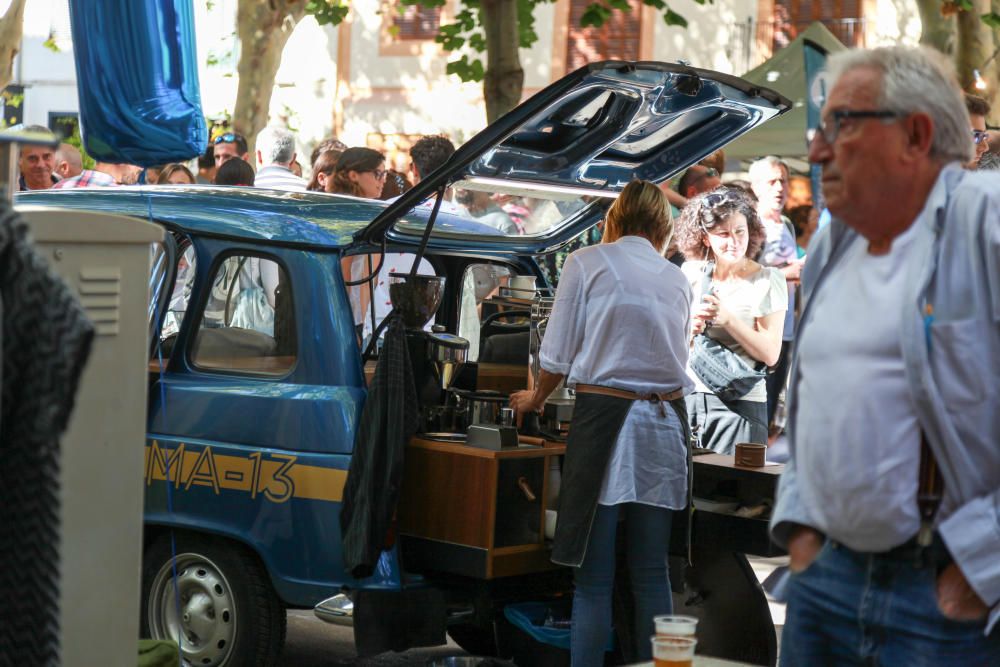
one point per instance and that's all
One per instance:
(597, 420)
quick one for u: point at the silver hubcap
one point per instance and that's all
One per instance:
(204, 618)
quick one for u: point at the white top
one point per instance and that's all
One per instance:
(276, 177)
(761, 294)
(780, 249)
(850, 353)
(621, 319)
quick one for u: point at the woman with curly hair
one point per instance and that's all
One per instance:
(743, 309)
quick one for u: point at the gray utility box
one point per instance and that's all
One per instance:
(106, 261)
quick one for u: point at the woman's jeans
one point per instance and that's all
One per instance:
(648, 539)
(851, 608)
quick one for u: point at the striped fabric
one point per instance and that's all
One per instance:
(277, 177)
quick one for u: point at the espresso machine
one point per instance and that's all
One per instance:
(435, 357)
(558, 411)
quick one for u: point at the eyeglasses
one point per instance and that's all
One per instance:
(830, 126)
(379, 174)
(979, 136)
(227, 138)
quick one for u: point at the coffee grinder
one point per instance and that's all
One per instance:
(435, 357)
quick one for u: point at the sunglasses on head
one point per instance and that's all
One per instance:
(979, 136)
(227, 138)
(715, 198)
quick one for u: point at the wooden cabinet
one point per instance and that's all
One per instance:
(475, 512)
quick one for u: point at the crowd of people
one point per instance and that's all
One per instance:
(888, 505)
(881, 326)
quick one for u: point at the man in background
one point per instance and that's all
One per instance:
(36, 163)
(275, 155)
(104, 174)
(229, 145)
(978, 109)
(68, 161)
(769, 181)
(697, 179)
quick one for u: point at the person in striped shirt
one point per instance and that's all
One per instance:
(275, 154)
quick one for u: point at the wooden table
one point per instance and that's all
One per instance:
(476, 512)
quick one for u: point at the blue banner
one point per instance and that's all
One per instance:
(137, 78)
(816, 89)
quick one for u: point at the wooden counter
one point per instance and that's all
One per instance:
(475, 512)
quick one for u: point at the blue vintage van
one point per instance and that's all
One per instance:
(256, 378)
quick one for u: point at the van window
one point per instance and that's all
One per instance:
(248, 325)
(364, 300)
(479, 283)
(181, 294)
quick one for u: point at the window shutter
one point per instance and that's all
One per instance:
(617, 39)
(418, 22)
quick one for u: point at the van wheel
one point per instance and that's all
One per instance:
(227, 613)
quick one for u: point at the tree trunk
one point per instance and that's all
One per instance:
(263, 28)
(937, 30)
(11, 29)
(503, 80)
(975, 46)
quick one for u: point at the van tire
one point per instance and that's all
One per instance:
(231, 614)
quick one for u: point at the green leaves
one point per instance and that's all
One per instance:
(595, 15)
(328, 12)
(51, 45)
(673, 18)
(992, 20)
(466, 70)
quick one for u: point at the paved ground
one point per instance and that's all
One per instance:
(313, 643)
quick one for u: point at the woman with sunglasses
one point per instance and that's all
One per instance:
(360, 172)
(743, 308)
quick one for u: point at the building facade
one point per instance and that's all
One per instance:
(379, 79)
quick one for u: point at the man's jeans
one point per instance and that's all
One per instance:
(849, 608)
(648, 539)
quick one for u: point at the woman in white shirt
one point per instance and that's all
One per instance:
(618, 333)
(744, 309)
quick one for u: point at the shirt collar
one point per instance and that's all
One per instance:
(636, 241)
(937, 198)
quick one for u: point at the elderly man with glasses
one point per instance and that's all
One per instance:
(890, 504)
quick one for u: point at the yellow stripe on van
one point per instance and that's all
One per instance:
(276, 477)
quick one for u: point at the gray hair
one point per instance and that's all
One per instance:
(70, 154)
(276, 145)
(916, 79)
(766, 162)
